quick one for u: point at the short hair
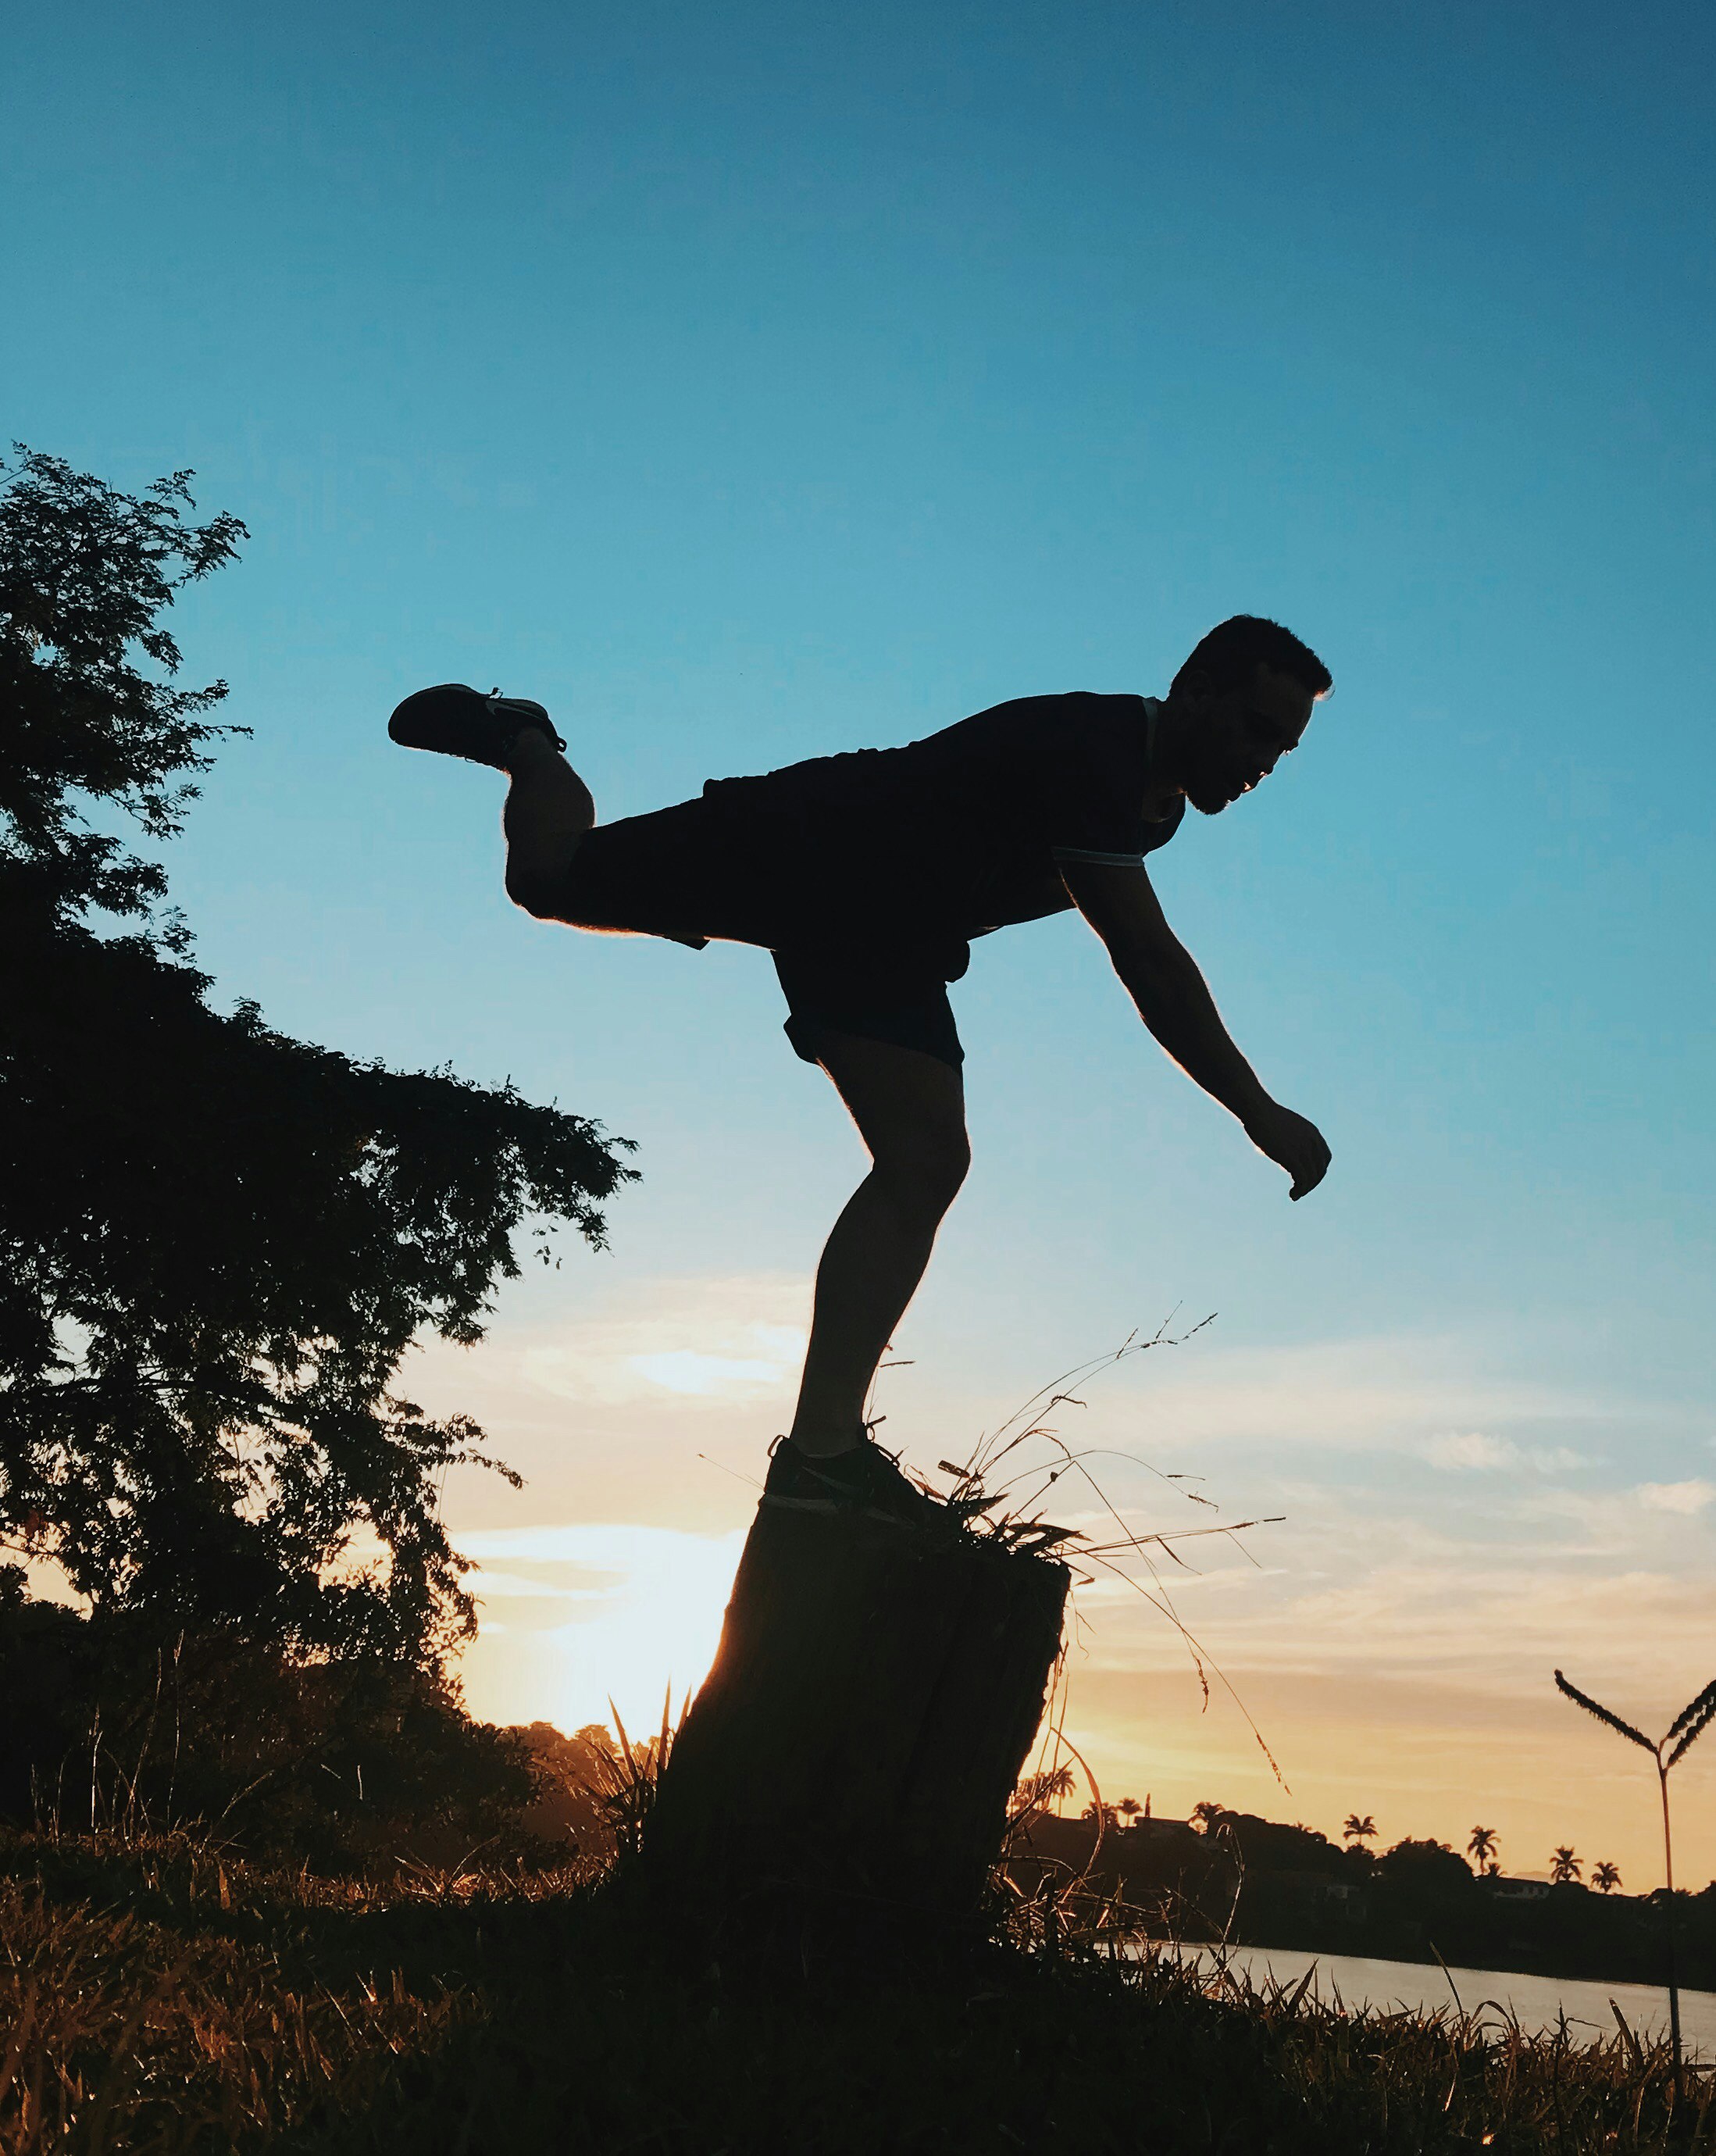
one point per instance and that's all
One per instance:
(1233, 649)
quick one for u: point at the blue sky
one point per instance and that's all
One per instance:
(749, 382)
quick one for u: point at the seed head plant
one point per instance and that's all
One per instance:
(1683, 1734)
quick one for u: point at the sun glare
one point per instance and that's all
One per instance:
(574, 1616)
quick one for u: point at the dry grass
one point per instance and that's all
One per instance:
(155, 1997)
(148, 1999)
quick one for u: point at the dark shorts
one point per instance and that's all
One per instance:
(685, 873)
(879, 998)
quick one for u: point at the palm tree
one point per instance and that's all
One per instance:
(1683, 1734)
(1606, 1878)
(1358, 1830)
(1035, 1793)
(1482, 1846)
(1208, 1813)
(1130, 1808)
(1563, 1867)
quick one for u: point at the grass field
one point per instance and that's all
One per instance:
(157, 1997)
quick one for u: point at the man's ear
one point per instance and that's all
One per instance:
(1195, 690)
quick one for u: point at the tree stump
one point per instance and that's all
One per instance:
(852, 1752)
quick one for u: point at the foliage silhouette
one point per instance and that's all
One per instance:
(345, 1766)
(216, 1243)
(84, 573)
(1427, 1866)
(1481, 1847)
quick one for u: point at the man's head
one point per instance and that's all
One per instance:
(1241, 699)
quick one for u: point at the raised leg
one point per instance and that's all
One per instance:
(548, 809)
(910, 1111)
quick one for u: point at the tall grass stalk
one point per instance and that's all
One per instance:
(1683, 1734)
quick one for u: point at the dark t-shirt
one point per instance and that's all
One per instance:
(907, 851)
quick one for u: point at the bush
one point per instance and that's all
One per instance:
(342, 1766)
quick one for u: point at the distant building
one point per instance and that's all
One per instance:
(1342, 1899)
(1506, 1889)
(1162, 1834)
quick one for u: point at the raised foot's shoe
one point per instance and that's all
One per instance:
(455, 721)
(862, 1480)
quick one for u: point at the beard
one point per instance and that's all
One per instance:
(1213, 787)
(1208, 777)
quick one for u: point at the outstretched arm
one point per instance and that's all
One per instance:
(1173, 999)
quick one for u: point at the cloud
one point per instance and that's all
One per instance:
(1473, 1449)
(683, 1370)
(1391, 1394)
(707, 1340)
(1686, 1497)
(487, 1585)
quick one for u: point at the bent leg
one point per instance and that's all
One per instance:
(548, 809)
(911, 1110)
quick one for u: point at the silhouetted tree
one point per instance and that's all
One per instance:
(1481, 1847)
(340, 1764)
(1130, 1808)
(1564, 1867)
(1035, 1793)
(1606, 1877)
(1358, 1830)
(216, 1243)
(1426, 1859)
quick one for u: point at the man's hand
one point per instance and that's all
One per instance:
(1292, 1142)
(1175, 1002)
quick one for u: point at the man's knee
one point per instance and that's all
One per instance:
(537, 893)
(924, 1177)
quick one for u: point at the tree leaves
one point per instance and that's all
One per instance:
(84, 573)
(217, 1243)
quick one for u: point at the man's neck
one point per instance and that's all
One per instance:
(1161, 789)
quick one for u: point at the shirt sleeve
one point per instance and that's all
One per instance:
(1095, 763)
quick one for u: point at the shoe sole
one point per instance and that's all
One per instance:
(453, 719)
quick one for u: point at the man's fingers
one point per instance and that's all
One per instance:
(1308, 1179)
(1295, 1145)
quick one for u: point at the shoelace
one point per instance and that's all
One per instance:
(494, 698)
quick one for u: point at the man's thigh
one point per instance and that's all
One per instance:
(909, 1106)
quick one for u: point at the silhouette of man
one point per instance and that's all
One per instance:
(866, 876)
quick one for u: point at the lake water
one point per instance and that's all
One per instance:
(1536, 2002)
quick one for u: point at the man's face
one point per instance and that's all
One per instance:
(1232, 740)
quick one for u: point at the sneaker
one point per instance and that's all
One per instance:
(865, 1480)
(455, 720)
